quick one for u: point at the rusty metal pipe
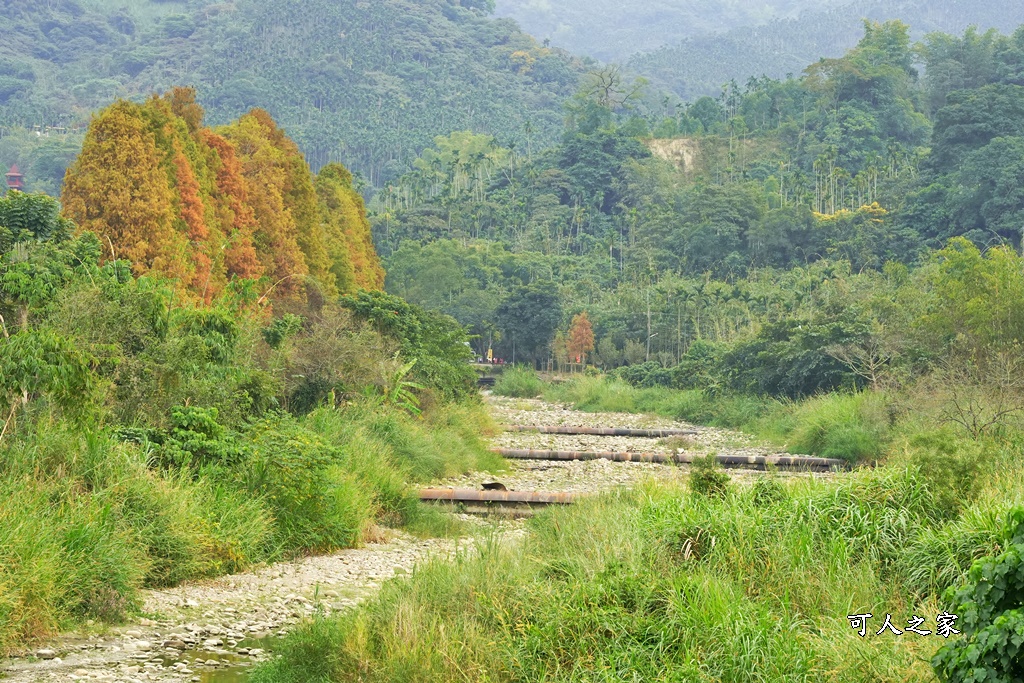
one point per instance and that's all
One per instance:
(617, 456)
(756, 461)
(474, 496)
(604, 431)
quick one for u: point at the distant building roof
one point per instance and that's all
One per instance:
(15, 179)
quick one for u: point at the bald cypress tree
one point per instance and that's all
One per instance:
(231, 202)
(275, 236)
(203, 207)
(119, 190)
(354, 260)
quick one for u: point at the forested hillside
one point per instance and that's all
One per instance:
(700, 65)
(720, 218)
(615, 31)
(369, 83)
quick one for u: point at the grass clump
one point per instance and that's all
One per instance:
(62, 556)
(855, 427)
(604, 394)
(595, 394)
(767, 491)
(518, 382)
(851, 427)
(707, 478)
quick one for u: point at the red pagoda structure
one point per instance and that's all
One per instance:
(15, 179)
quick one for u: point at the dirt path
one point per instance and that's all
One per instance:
(208, 632)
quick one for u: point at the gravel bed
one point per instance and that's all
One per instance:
(534, 411)
(514, 411)
(574, 476)
(594, 476)
(200, 628)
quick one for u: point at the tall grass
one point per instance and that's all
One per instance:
(86, 521)
(518, 382)
(853, 427)
(656, 584)
(602, 394)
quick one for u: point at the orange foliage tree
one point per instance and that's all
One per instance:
(581, 337)
(203, 207)
(290, 237)
(118, 190)
(347, 231)
(235, 214)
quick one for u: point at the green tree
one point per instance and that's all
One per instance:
(528, 318)
(438, 344)
(40, 363)
(32, 216)
(989, 199)
(973, 118)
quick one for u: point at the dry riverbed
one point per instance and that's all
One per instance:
(208, 632)
(198, 630)
(594, 476)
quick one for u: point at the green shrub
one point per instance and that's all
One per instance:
(437, 342)
(644, 375)
(196, 439)
(788, 358)
(990, 606)
(518, 382)
(281, 329)
(699, 367)
(85, 522)
(336, 357)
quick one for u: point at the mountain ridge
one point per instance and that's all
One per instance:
(701, 65)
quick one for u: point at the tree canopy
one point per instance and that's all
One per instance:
(204, 206)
